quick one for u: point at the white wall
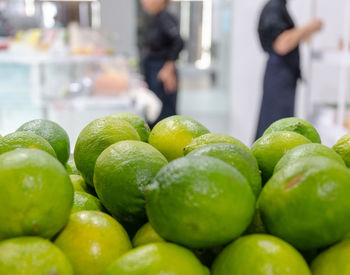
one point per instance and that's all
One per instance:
(246, 69)
(119, 17)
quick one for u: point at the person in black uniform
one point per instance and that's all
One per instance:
(161, 49)
(280, 38)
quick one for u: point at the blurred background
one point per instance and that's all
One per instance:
(73, 61)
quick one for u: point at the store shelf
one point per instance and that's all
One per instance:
(29, 59)
(35, 61)
(96, 102)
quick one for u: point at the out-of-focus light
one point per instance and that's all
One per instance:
(96, 15)
(185, 19)
(29, 7)
(49, 13)
(207, 28)
(205, 61)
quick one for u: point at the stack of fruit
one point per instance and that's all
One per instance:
(175, 200)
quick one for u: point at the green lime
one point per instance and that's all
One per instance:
(213, 138)
(297, 125)
(199, 202)
(122, 171)
(71, 167)
(257, 226)
(307, 203)
(237, 157)
(171, 135)
(158, 258)
(137, 122)
(207, 255)
(310, 255)
(145, 235)
(25, 140)
(333, 261)
(36, 194)
(92, 241)
(95, 138)
(32, 255)
(260, 255)
(53, 133)
(79, 184)
(307, 150)
(270, 148)
(84, 201)
(342, 147)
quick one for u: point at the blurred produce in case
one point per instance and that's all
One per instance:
(89, 41)
(71, 40)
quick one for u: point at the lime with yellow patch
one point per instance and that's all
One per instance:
(260, 254)
(36, 194)
(158, 258)
(32, 255)
(307, 203)
(95, 138)
(199, 202)
(122, 172)
(137, 122)
(214, 138)
(53, 133)
(297, 125)
(25, 140)
(270, 148)
(171, 135)
(342, 147)
(92, 241)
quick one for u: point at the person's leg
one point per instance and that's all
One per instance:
(285, 101)
(278, 98)
(265, 115)
(169, 105)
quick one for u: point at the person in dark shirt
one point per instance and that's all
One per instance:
(280, 38)
(161, 49)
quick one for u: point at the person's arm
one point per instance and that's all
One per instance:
(290, 39)
(167, 76)
(168, 73)
(170, 28)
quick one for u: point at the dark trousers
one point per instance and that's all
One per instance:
(278, 101)
(151, 69)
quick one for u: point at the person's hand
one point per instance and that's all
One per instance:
(315, 25)
(167, 76)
